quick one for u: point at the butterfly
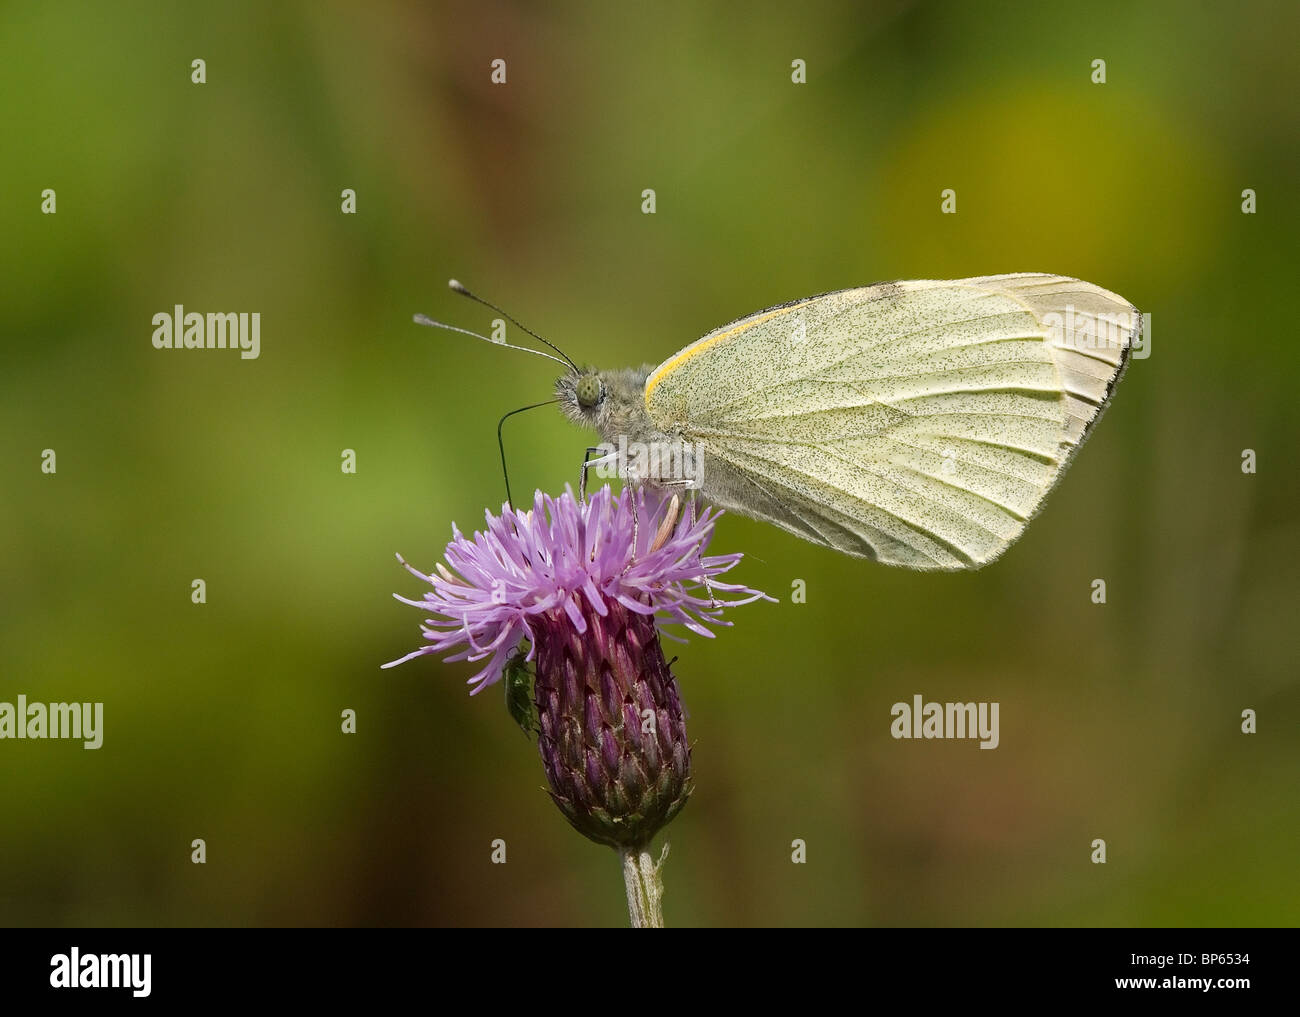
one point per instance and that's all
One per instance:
(915, 423)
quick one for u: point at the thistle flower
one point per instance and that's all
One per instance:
(584, 587)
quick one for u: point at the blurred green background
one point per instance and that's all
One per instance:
(222, 721)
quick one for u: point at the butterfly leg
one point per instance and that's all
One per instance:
(636, 526)
(693, 497)
(588, 462)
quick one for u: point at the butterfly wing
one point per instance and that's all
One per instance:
(917, 423)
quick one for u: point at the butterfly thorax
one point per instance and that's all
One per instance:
(612, 403)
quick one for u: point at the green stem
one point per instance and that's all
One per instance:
(645, 887)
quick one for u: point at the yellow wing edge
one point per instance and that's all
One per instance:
(700, 345)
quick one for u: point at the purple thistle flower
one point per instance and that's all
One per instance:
(585, 586)
(527, 566)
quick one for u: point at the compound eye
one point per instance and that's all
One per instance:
(588, 391)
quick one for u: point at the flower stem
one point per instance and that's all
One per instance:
(645, 887)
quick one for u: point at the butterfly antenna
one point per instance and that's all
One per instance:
(458, 287)
(502, 445)
(424, 319)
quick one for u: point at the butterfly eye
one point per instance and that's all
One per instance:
(589, 391)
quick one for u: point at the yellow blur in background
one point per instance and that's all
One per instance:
(222, 720)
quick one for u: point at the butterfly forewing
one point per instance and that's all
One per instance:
(917, 423)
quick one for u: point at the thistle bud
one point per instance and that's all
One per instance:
(611, 731)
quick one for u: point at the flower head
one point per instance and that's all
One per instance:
(584, 586)
(571, 558)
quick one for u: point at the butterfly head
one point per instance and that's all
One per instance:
(609, 402)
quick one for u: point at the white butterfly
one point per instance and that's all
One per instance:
(914, 423)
